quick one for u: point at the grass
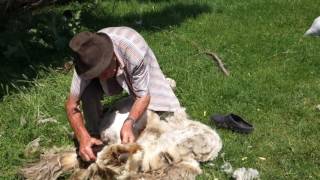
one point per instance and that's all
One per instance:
(273, 82)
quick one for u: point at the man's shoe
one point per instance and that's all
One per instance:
(233, 122)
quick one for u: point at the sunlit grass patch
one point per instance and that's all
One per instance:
(274, 81)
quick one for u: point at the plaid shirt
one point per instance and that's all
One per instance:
(139, 66)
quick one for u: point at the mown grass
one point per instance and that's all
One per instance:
(274, 81)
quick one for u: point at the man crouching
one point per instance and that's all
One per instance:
(106, 63)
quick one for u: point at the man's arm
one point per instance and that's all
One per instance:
(76, 122)
(138, 68)
(139, 107)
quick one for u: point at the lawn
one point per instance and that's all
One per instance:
(273, 80)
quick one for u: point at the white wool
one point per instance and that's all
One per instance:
(113, 133)
(245, 174)
(47, 120)
(113, 121)
(172, 83)
(175, 138)
(227, 168)
(169, 148)
(314, 30)
(33, 147)
(240, 173)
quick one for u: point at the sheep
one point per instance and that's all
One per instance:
(168, 146)
(314, 30)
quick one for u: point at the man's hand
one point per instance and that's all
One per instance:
(127, 135)
(139, 107)
(76, 121)
(85, 149)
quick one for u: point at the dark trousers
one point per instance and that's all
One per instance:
(92, 111)
(92, 106)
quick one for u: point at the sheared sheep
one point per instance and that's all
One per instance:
(167, 147)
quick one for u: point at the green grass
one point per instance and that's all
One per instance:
(274, 80)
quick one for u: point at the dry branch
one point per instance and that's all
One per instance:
(219, 61)
(213, 55)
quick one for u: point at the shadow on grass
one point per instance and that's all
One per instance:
(29, 42)
(151, 21)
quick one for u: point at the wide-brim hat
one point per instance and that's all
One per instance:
(92, 53)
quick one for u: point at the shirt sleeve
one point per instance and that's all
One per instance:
(140, 78)
(78, 85)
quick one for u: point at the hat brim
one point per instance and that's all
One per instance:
(105, 60)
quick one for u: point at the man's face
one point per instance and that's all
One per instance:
(110, 71)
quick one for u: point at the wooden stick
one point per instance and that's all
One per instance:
(213, 55)
(219, 61)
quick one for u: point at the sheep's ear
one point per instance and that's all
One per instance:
(133, 148)
(127, 150)
(130, 148)
(123, 157)
(117, 153)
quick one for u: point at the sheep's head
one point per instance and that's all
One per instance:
(114, 157)
(111, 161)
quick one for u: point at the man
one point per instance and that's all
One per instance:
(107, 62)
